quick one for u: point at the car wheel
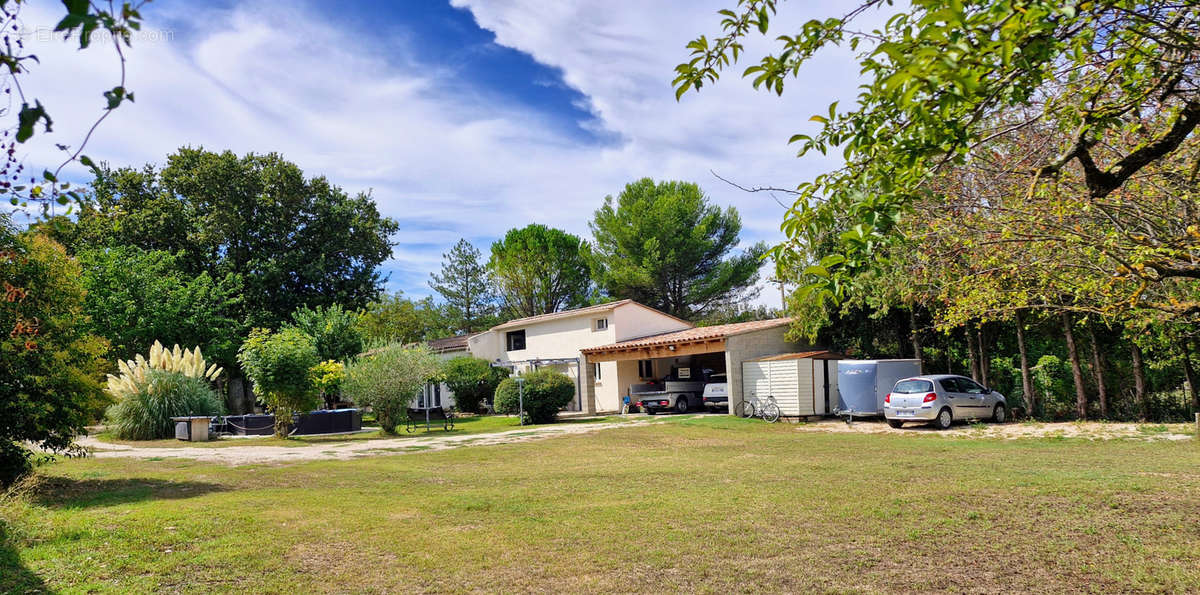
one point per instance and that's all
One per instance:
(896, 423)
(999, 415)
(944, 419)
(681, 405)
(650, 411)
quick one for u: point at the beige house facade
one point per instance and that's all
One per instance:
(557, 341)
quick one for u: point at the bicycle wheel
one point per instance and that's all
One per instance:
(745, 409)
(770, 413)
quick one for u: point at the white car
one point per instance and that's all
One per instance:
(716, 393)
(942, 399)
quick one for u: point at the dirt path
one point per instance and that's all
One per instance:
(1011, 431)
(254, 454)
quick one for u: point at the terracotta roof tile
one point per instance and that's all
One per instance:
(449, 343)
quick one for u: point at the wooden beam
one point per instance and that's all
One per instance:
(682, 348)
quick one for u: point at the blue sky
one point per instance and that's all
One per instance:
(462, 118)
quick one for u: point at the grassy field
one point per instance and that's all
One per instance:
(463, 426)
(699, 504)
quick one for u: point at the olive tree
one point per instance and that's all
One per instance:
(388, 379)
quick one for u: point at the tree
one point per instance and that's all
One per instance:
(1117, 76)
(472, 380)
(539, 270)
(388, 379)
(280, 366)
(464, 284)
(394, 318)
(665, 245)
(50, 367)
(85, 19)
(136, 297)
(336, 332)
(294, 240)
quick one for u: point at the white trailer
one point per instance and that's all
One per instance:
(803, 384)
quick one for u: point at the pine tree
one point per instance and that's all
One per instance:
(465, 285)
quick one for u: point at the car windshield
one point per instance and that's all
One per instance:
(913, 386)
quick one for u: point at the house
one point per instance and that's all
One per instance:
(437, 394)
(720, 348)
(607, 348)
(558, 340)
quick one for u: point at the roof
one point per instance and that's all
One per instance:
(598, 308)
(703, 333)
(456, 343)
(822, 354)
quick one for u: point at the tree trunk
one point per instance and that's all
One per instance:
(915, 337)
(984, 364)
(971, 349)
(1026, 376)
(1189, 373)
(1076, 368)
(1098, 371)
(1139, 382)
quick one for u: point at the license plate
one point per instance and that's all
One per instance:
(905, 413)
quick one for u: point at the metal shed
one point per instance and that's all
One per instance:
(862, 384)
(802, 383)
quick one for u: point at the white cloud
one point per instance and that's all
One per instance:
(456, 162)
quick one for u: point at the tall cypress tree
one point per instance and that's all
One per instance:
(466, 287)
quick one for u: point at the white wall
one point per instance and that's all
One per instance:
(563, 338)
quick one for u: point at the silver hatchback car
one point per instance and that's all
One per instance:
(942, 399)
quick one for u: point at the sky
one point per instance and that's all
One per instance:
(462, 118)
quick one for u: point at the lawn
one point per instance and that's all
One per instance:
(463, 426)
(698, 504)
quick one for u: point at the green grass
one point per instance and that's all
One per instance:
(711, 504)
(474, 424)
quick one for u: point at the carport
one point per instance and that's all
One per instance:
(723, 346)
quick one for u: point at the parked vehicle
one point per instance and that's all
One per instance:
(680, 391)
(716, 393)
(942, 399)
(862, 384)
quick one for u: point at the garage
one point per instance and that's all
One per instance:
(721, 348)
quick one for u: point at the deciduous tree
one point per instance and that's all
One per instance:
(539, 270)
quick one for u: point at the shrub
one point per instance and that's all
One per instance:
(145, 412)
(335, 332)
(472, 380)
(546, 392)
(388, 379)
(190, 363)
(51, 369)
(1053, 379)
(327, 378)
(279, 364)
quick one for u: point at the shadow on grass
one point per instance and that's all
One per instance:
(14, 576)
(65, 492)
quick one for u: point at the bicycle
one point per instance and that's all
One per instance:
(768, 411)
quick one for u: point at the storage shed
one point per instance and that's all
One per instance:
(802, 383)
(862, 384)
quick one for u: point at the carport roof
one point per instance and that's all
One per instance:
(691, 335)
(822, 354)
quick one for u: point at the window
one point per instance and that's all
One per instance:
(970, 387)
(646, 368)
(516, 340)
(914, 386)
(601, 324)
(595, 369)
(949, 385)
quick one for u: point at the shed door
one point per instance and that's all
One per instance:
(785, 386)
(756, 380)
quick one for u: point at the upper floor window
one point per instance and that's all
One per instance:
(601, 324)
(515, 340)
